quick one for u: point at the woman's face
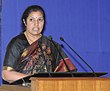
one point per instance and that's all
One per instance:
(35, 23)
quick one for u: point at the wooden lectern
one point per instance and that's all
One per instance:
(61, 82)
(70, 84)
(14, 88)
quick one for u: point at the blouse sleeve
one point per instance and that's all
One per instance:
(12, 54)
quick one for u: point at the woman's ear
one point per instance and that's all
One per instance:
(24, 22)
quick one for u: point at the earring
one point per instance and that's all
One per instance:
(24, 22)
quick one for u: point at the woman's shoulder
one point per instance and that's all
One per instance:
(21, 36)
(17, 39)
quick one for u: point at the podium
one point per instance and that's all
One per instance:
(70, 84)
(58, 75)
(61, 82)
(14, 88)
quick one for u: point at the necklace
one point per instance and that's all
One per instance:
(32, 39)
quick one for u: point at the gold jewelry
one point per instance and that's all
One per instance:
(8, 68)
(31, 40)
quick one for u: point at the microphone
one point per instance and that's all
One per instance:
(25, 84)
(62, 39)
(50, 38)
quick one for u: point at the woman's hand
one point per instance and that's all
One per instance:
(10, 76)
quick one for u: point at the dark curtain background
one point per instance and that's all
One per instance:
(84, 24)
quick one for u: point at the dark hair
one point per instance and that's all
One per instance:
(28, 11)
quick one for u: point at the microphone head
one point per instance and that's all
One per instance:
(50, 37)
(61, 38)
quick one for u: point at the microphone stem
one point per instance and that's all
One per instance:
(81, 58)
(62, 58)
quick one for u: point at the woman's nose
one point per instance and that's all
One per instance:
(36, 23)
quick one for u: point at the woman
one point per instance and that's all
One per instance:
(31, 52)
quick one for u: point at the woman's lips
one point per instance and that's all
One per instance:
(35, 29)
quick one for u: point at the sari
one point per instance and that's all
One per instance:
(40, 56)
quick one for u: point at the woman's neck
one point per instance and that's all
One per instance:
(32, 38)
